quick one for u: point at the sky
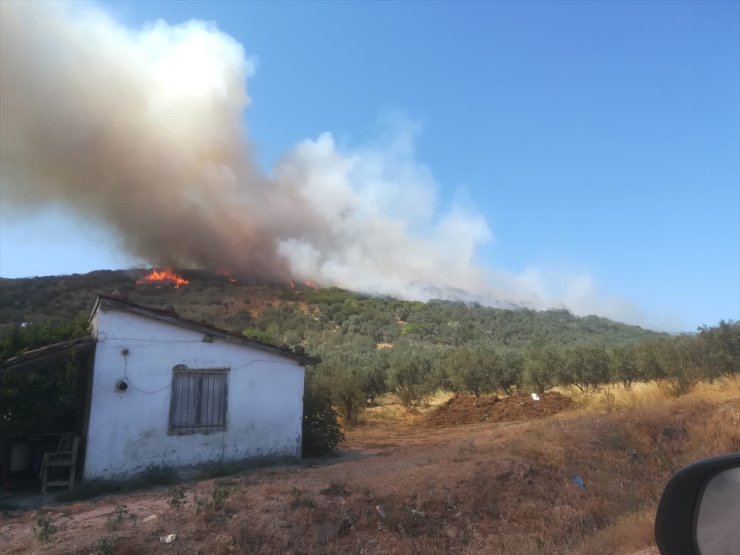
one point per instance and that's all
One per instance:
(600, 141)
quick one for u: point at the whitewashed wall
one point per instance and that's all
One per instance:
(128, 431)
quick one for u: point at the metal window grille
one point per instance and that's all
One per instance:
(198, 402)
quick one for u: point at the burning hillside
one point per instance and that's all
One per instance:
(146, 138)
(166, 276)
(140, 131)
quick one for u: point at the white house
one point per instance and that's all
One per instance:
(169, 391)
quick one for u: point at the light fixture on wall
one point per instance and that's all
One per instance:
(121, 386)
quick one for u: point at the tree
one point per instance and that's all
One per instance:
(648, 356)
(470, 369)
(509, 371)
(624, 365)
(541, 365)
(45, 397)
(341, 375)
(719, 349)
(585, 366)
(412, 376)
(48, 394)
(681, 362)
(321, 431)
(16, 339)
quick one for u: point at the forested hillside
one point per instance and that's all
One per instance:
(371, 345)
(297, 312)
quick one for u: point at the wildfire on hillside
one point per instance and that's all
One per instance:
(165, 276)
(306, 283)
(228, 275)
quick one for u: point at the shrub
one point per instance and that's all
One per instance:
(300, 498)
(118, 516)
(321, 431)
(104, 546)
(177, 498)
(44, 529)
(221, 493)
(206, 507)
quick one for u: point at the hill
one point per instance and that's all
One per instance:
(370, 346)
(295, 313)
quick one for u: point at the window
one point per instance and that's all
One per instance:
(198, 402)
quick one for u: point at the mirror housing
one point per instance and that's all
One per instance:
(718, 514)
(679, 507)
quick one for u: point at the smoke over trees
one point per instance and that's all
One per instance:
(141, 131)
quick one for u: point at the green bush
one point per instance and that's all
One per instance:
(44, 529)
(259, 335)
(321, 431)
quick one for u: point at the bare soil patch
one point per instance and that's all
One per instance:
(468, 409)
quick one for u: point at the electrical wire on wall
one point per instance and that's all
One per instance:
(125, 352)
(102, 337)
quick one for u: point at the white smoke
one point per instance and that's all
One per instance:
(141, 131)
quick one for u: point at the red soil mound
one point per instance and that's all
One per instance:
(467, 409)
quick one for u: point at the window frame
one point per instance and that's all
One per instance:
(198, 429)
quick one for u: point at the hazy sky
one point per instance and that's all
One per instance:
(599, 141)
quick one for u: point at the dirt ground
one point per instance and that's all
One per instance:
(468, 409)
(569, 483)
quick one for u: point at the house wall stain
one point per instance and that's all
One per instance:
(129, 430)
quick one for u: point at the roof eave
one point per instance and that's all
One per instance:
(175, 320)
(48, 351)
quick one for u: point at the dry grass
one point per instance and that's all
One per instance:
(629, 534)
(388, 409)
(387, 413)
(440, 398)
(582, 482)
(616, 397)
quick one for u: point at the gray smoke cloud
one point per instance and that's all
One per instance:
(141, 130)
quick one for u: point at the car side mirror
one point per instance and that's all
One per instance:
(699, 511)
(718, 514)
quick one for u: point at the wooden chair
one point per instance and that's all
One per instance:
(64, 457)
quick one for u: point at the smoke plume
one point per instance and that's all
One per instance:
(141, 130)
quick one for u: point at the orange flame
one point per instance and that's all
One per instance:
(292, 285)
(165, 275)
(311, 284)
